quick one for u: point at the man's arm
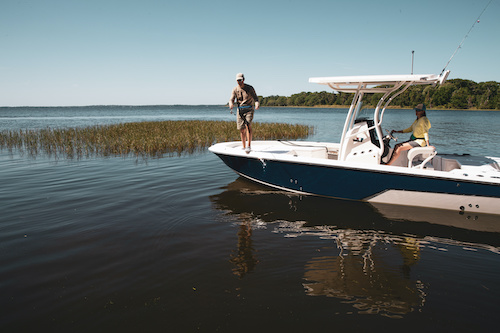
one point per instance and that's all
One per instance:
(255, 98)
(231, 100)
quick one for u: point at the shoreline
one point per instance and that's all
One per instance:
(370, 106)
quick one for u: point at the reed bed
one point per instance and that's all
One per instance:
(140, 139)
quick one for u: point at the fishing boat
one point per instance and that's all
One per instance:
(355, 169)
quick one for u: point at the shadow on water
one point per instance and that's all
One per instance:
(376, 247)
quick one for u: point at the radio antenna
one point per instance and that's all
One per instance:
(465, 37)
(412, 53)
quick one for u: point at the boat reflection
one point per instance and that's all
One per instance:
(270, 205)
(375, 248)
(362, 276)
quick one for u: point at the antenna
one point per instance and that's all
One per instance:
(412, 53)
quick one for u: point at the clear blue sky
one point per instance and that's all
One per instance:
(145, 52)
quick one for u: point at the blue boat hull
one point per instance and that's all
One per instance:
(348, 182)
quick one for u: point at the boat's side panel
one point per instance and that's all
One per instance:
(465, 203)
(352, 183)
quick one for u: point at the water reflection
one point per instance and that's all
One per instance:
(245, 198)
(243, 257)
(373, 249)
(371, 271)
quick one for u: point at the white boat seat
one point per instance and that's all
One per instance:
(427, 154)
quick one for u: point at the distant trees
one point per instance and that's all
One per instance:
(453, 94)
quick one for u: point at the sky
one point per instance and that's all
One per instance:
(163, 52)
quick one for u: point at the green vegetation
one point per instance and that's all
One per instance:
(453, 94)
(142, 139)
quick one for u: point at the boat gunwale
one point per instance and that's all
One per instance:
(356, 166)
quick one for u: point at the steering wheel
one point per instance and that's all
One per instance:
(389, 134)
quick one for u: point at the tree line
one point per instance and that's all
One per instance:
(453, 94)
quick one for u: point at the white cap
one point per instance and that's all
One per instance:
(240, 76)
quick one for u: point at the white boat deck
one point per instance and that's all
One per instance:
(320, 150)
(461, 166)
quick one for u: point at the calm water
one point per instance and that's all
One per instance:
(181, 244)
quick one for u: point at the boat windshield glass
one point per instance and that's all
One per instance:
(365, 113)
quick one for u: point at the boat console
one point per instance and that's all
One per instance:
(362, 145)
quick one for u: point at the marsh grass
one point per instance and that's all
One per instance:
(140, 139)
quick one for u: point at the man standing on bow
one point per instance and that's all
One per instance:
(245, 97)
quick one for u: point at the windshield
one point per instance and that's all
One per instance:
(365, 113)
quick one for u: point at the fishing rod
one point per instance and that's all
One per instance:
(465, 37)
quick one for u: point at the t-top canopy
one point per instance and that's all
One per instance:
(375, 83)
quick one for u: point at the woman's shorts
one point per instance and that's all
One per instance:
(414, 143)
(239, 121)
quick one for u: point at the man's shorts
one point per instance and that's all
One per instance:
(240, 123)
